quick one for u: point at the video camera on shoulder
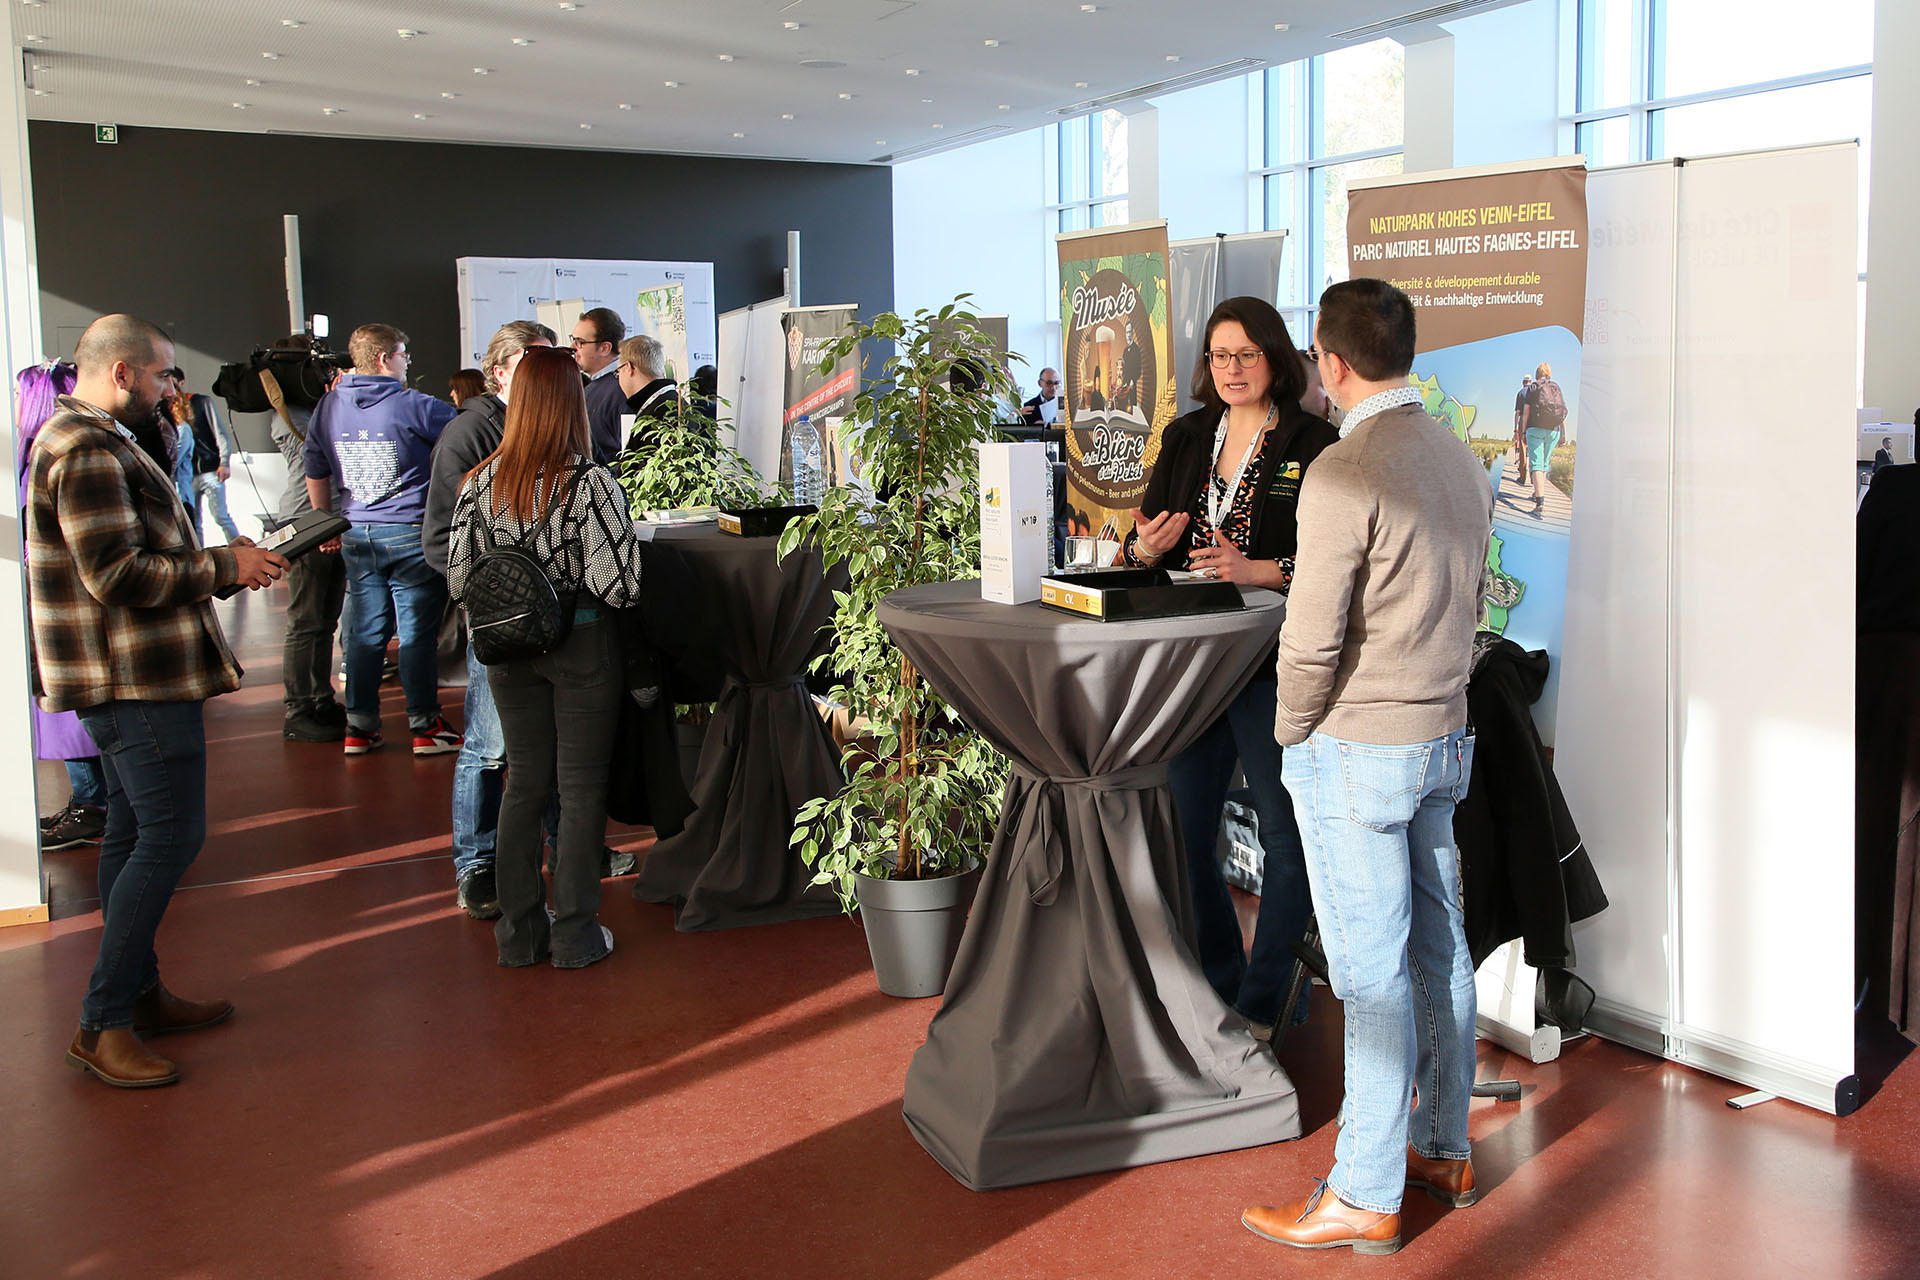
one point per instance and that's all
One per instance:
(302, 365)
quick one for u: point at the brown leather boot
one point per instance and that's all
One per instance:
(159, 1012)
(1325, 1221)
(117, 1057)
(1448, 1181)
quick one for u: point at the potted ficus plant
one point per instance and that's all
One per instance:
(903, 840)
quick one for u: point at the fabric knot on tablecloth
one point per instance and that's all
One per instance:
(735, 687)
(1043, 860)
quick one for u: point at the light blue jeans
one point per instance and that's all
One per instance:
(1377, 823)
(386, 567)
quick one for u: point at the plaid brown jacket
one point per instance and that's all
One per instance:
(117, 583)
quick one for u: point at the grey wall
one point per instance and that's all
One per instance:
(183, 228)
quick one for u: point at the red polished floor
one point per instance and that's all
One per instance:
(388, 1103)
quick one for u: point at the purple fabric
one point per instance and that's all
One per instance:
(57, 735)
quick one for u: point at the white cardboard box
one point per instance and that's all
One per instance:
(1014, 521)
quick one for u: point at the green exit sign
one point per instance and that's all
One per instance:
(107, 133)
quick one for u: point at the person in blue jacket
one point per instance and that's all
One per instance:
(373, 438)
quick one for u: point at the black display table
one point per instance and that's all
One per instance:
(1077, 1033)
(767, 751)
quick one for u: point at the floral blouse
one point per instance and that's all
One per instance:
(1236, 522)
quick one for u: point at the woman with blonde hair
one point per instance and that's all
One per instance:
(540, 491)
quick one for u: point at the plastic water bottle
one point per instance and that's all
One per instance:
(809, 477)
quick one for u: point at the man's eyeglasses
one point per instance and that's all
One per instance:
(1244, 359)
(1312, 353)
(585, 342)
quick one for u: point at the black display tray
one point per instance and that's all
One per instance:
(760, 522)
(294, 539)
(1111, 595)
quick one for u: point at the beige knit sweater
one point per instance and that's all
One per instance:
(1378, 638)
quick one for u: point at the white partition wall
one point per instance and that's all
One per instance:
(1707, 696)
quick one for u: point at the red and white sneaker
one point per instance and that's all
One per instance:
(360, 741)
(436, 739)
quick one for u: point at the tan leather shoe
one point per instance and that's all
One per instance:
(159, 1012)
(1448, 1181)
(1325, 1221)
(117, 1057)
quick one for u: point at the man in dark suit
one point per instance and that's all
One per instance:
(1044, 409)
(596, 345)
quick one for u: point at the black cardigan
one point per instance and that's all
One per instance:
(1186, 455)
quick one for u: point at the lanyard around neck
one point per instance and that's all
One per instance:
(1217, 503)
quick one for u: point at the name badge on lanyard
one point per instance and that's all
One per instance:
(1218, 504)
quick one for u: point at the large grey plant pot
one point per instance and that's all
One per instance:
(913, 929)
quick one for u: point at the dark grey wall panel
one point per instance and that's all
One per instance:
(183, 228)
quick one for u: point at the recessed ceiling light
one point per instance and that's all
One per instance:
(671, 84)
(585, 125)
(1005, 107)
(1089, 8)
(1279, 26)
(913, 71)
(568, 5)
(738, 134)
(724, 57)
(624, 106)
(405, 33)
(240, 106)
(879, 142)
(483, 71)
(522, 41)
(1173, 57)
(330, 111)
(42, 66)
(421, 115)
(846, 97)
(791, 26)
(33, 4)
(253, 84)
(40, 40)
(292, 22)
(270, 57)
(786, 115)
(448, 94)
(43, 93)
(991, 44)
(926, 99)
(1079, 84)
(939, 126)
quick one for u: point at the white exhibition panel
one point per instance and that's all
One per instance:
(752, 379)
(1612, 753)
(1706, 713)
(1764, 614)
(496, 290)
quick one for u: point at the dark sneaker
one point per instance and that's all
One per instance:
(48, 821)
(305, 726)
(78, 824)
(436, 739)
(478, 897)
(330, 712)
(361, 741)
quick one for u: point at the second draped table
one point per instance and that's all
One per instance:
(767, 751)
(1077, 1032)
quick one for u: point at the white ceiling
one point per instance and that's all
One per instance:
(186, 63)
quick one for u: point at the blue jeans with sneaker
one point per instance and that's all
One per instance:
(385, 565)
(154, 757)
(1377, 823)
(479, 775)
(86, 781)
(1198, 778)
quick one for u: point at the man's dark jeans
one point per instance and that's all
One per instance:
(154, 755)
(318, 583)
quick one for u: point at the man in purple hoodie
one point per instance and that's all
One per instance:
(373, 438)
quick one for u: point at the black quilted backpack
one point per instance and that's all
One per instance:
(514, 611)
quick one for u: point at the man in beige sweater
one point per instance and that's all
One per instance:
(1373, 666)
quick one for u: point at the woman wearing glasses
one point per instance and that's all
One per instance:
(1221, 501)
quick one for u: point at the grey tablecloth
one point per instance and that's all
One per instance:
(1077, 1032)
(767, 751)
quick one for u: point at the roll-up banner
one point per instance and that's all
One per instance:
(824, 398)
(1120, 382)
(1495, 261)
(661, 314)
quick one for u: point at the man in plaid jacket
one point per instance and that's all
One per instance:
(124, 634)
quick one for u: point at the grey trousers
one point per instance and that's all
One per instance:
(318, 583)
(558, 714)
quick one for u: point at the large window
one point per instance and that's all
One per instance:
(1326, 121)
(1656, 79)
(1087, 171)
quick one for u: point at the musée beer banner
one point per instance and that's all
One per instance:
(1117, 350)
(1496, 265)
(824, 398)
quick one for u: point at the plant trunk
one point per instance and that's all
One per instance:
(907, 861)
